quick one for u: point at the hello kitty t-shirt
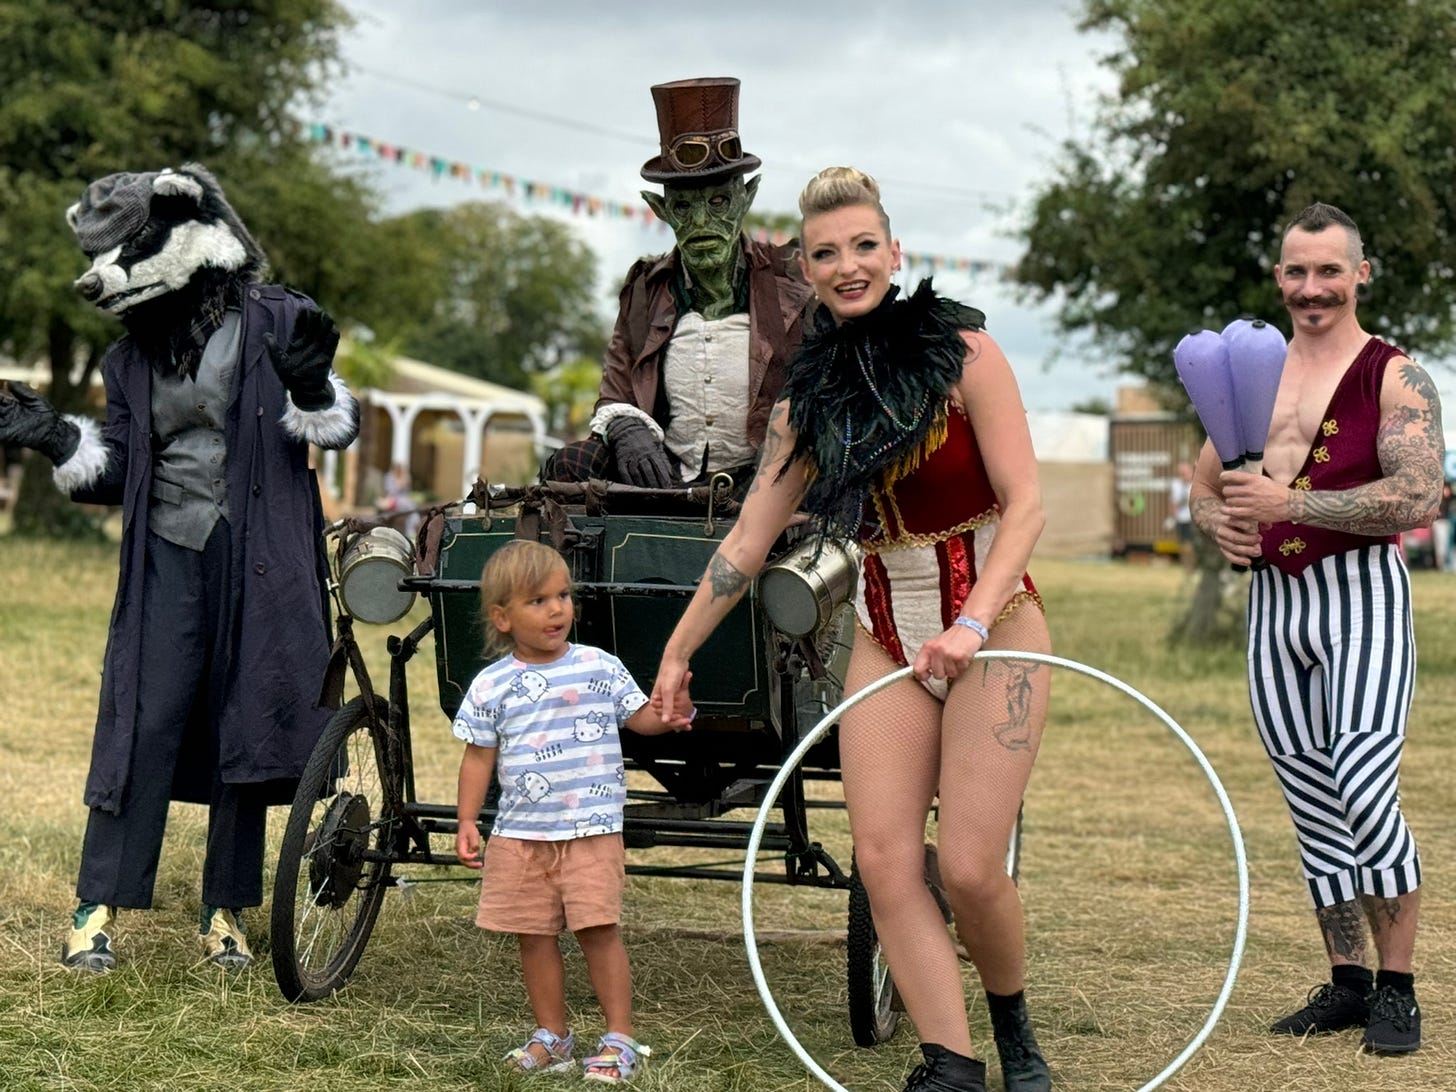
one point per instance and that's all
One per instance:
(556, 730)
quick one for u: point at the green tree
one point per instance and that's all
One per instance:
(570, 392)
(511, 295)
(775, 224)
(1229, 117)
(91, 88)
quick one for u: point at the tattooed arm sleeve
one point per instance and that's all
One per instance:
(1411, 445)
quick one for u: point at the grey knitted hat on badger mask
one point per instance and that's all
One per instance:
(112, 209)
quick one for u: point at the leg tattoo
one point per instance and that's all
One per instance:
(1381, 913)
(1014, 733)
(1344, 934)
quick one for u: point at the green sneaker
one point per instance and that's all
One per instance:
(223, 940)
(88, 948)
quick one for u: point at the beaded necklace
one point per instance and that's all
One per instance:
(865, 395)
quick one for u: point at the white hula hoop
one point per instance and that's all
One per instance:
(791, 763)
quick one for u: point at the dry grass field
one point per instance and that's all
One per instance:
(1127, 876)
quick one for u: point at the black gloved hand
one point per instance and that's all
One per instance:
(640, 457)
(28, 420)
(304, 365)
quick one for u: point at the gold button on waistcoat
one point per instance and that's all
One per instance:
(1292, 546)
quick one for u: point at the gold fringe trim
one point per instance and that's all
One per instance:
(912, 459)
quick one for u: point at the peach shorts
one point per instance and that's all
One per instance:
(534, 886)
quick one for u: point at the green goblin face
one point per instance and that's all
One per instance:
(707, 221)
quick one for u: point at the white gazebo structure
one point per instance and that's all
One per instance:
(422, 393)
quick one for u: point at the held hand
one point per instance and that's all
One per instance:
(467, 846)
(682, 705)
(28, 420)
(948, 655)
(640, 457)
(1253, 498)
(304, 365)
(1237, 539)
(669, 692)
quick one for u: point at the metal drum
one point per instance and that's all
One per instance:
(800, 592)
(370, 569)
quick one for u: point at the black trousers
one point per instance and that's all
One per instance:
(182, 604)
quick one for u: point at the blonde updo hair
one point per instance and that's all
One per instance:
(840, 187)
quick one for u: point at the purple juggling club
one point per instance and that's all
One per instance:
(1256, 354)
(1201, 360)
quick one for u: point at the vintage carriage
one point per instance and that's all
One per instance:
(635, 556)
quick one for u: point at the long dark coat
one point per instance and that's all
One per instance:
(263, 695)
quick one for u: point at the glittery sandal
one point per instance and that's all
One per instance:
(615, 1068)
(558, 1053)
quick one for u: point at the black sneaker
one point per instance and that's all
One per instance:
(1395, 1022)
(1330, 1008)
(946, 1071)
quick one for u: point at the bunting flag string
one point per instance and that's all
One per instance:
(579, 204)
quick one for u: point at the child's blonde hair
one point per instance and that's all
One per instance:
(519, 567)
(840, 187)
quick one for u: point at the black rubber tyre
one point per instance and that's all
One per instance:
(326, 895)
(873, 1015)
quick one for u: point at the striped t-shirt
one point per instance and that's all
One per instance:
(556, 730)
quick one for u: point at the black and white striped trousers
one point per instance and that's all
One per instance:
(1332, 665)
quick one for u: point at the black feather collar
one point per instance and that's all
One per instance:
(864, 396)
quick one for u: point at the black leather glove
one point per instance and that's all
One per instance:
(640, 457)
(28, 420)
(304, 365)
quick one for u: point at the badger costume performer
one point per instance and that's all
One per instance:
(219, 635)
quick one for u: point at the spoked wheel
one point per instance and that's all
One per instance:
(1013, 850)
(873, 1010)
(337, 852)
(874, 1003)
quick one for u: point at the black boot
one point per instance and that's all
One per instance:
(946, 1071)
(1022, 1066)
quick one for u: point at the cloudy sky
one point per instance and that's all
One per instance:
(957, 108)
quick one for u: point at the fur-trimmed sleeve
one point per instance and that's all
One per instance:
(333, 428)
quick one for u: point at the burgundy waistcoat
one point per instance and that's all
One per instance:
(1342, 456)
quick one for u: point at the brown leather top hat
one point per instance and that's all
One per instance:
(697, 122)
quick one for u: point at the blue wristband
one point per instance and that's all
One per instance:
(974, 626)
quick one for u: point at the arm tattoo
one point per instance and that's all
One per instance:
(724, 578)
(1411, 446)
(1344, 935)
(1205, 514)
(774, 443)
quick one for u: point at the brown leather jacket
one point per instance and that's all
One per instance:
(778, 300)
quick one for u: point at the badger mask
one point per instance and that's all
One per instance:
(162, 244)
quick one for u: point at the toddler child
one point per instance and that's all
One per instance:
(545, 719)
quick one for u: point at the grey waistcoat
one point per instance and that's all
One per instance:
(189, 481)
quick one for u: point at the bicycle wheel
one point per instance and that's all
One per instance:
(873, 1014)
(337, 852)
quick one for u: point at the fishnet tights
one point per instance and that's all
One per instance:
(895, 748)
